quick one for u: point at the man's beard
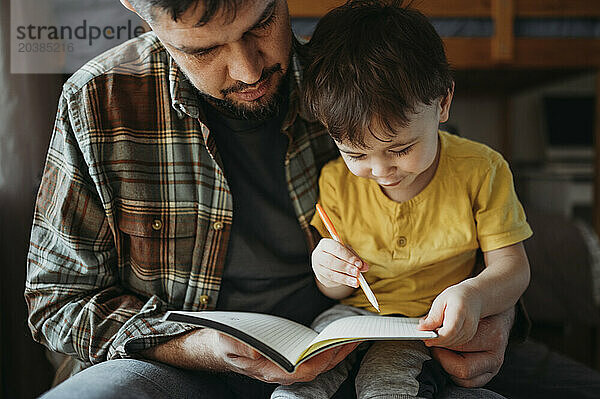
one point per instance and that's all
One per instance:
(260, 111)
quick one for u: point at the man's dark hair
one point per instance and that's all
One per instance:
(176, 8)
(373, 61)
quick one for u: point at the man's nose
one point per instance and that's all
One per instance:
(246, 62)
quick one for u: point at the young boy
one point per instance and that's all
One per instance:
(413, 204)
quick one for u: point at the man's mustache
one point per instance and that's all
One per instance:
(241, 86)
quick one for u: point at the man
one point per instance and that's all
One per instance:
(181, 175)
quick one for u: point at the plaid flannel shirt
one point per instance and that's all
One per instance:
(134, 213)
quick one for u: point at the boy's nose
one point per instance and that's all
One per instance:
(381, 170)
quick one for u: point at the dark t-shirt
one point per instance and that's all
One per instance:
(267, 267)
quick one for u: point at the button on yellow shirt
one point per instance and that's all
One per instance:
(419, 247)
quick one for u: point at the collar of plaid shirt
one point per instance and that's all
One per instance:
(133, 214)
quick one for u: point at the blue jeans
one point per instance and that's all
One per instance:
(131, 378)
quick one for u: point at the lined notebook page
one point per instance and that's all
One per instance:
(285, 336)
(374, 327)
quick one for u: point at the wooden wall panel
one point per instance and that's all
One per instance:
(503, 49)
(467, 8)
(556, 53)
(432, 8)
(312, 8)
(557, 8)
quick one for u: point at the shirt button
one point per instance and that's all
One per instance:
(204, 299)
(156, 224)
(218, 226)
(402, 241)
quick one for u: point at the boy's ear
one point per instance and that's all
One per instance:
(445, 105)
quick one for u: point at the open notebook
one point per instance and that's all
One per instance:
(288, 343)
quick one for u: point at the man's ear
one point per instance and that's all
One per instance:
(445, 105)
(128, 5)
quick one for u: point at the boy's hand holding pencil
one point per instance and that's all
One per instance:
(334, 264)
(339, 266)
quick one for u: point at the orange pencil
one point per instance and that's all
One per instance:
(361, 279)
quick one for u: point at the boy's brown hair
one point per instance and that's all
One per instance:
(373, 62)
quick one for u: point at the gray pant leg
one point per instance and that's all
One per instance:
(326, 384)
(456, 392)
(390, 370)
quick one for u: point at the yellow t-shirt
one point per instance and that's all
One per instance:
(419, 247)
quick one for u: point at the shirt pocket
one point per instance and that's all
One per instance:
(156, 249)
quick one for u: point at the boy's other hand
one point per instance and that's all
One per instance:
(335, 265)
(455, 313)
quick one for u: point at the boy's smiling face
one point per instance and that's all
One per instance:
(403, 165)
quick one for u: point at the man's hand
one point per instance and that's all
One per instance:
(242, 359)
(475, 363)
(207, 349)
